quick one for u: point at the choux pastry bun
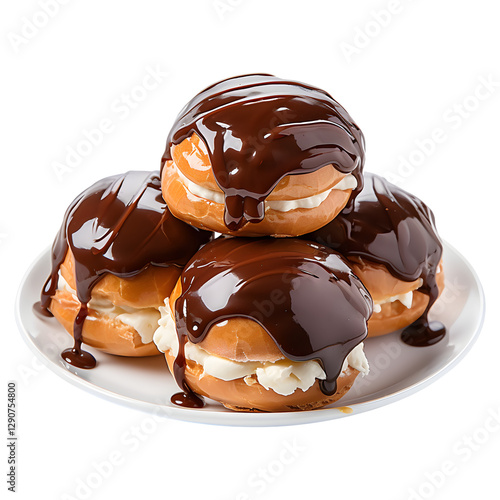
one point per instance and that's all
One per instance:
(257, 155)
(390, 238)
(117, 255)
(265, 325)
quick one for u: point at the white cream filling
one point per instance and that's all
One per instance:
(405, 298)
(283, 376)
(144, 321)
(348, 182)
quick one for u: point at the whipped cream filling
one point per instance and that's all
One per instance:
(144, 321)
(283, 376)
(348, 182)
(405, 298)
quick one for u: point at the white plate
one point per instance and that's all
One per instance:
(396, 370)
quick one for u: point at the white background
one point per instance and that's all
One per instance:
(63, 73)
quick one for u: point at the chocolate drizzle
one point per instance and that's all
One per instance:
(389, 226)
(322, 311)
(119, 225)
(258, 129)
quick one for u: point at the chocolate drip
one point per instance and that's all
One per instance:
(389, 226)
(260, 128)
(187, 399)
(321, 312)
(119, 225)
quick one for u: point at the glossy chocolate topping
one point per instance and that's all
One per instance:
(303, 294)
(260, 128)
(119, 225)
(390, 226)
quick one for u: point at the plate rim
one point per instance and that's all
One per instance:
(246, 419)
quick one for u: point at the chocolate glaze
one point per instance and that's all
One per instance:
(322, 309)
(258, 129)
(188, 399)
(119, 225)
(390, 226)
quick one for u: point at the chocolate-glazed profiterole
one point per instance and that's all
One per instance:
(236, 150)
(244, 305)
(391, 240)
(119, 239)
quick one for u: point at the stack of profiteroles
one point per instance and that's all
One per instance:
(258, 259)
